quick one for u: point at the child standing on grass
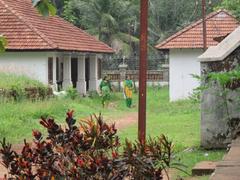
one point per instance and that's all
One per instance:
(105, 88)
(128, 90)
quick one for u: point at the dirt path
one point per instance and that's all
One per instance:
(126, 120)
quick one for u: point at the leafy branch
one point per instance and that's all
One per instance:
(3, 43)
(45, 7)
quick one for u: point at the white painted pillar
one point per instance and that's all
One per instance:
(81, 82)
(54, 85)
(60, 74)
(93, 79)
(67, 80)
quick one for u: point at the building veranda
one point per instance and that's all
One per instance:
(50, 50)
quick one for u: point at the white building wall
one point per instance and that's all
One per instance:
(32, 64)
(183, 63)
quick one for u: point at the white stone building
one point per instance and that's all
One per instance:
(50, 50)
(186, 45)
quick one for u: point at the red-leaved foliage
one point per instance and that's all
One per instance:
(90, 151)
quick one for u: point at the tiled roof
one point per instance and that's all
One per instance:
(218, 24)
(223, 49)
(25, 29)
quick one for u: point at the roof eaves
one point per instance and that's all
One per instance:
(41, 35)
(223, 49)
(159, 46)
(110, 50)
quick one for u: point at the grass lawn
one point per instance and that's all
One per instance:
(178, 120)
(19, 118)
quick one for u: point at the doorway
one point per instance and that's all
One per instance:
(87, 72)
(74, 71)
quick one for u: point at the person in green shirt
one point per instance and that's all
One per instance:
(128, 91)
(105, 88)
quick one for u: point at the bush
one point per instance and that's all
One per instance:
(72, 93)
(13, 87)
(93, 94)
(90, 151)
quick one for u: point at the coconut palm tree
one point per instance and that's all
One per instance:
(111, 21)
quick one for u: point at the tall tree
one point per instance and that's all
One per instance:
(231, 5)
(168, 16)
(108, 20)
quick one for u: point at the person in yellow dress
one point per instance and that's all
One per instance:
(128, 91)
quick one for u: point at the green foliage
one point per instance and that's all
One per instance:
(72, 93)
(108, 20)
(45, 7)
(225, 79)
(8, 80)
(17, 92)
(90, 151)
(18, 87)
(195, 97)
(112, 20)
(231, 5)
(93, 94)
(3, 43)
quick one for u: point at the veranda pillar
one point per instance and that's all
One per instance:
(81, 82)
(93, 81)
(54, 70)
(67, 80)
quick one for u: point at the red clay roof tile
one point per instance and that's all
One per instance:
(218, 24)
(26, 29)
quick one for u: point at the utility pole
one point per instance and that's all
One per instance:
(143, 71)
(204, 24)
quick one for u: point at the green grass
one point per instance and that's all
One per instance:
(180, 121)
(19, 118)
(7, 81)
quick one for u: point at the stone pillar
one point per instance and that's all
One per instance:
(81, 82)
(54, 83)
(60, 74)
(123, 71)
(93, 80)
(67, 80)
(219, 107)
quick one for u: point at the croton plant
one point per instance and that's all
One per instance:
(91, 150)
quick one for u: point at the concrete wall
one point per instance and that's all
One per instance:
(215, 115)
(183, 63)
(214, 118)
(32, 64)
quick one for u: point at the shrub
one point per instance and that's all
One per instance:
(14, 87)
(16, 92)
(93, 94)
(90, 151)
(72, 93)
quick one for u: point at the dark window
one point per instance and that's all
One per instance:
(50, 70)
(57, 69)
(99, 68)
(74, 71)
(87, 71)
